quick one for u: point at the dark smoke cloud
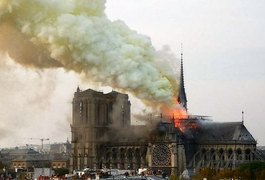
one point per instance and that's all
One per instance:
(22, 50)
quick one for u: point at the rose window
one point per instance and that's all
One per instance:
(161, 155)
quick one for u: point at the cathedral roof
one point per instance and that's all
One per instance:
(223, 133)
(17, 151)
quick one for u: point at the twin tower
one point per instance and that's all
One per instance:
(103, 137)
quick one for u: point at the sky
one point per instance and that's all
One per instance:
(224, 50)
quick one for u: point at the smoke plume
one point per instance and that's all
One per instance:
(76, 35)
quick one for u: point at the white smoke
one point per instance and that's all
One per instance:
(76, 35)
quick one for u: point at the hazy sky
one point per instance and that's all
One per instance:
(224, 52)
(224, 60)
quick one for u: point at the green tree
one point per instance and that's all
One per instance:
(253, 169)
(2, 166)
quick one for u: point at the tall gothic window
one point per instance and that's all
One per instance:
(80, 108)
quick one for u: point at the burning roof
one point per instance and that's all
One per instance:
(209, 132)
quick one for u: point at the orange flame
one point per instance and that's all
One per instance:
(177, 114)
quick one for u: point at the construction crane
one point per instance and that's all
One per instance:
(41, 139)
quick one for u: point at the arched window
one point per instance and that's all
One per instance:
(203, 154)
(203, 150)
(221, 154)
(122, 154)
(114, 154)
(130, 158)
(107, 156)
(80, 108)
(230, 154)
(138, 157)
(213, 157)
(247, 154)
(114, 157)
(122, 158)
(238, 154)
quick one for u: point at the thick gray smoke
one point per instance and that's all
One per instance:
(76, 35)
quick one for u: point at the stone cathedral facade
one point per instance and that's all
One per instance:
(103, 137)
(94, 116)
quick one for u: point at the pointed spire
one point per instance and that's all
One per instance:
(182, 99)
(78, 89)
(181, 54)
(242, 117)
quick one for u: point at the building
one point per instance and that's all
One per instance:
(26, 159)
(103, 137)
(219, 145)
(60, 161)
(29, 162)
(9, 155)
(61, 148)
(95, 116)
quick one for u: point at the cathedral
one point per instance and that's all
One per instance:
(103, 137)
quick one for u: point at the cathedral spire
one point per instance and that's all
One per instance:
(242, 117)
(182, 99)
(77, 89)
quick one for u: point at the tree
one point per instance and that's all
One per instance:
(2, 166)
(208, 173)
(260, 174)
(225, 173)
(253, 169)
